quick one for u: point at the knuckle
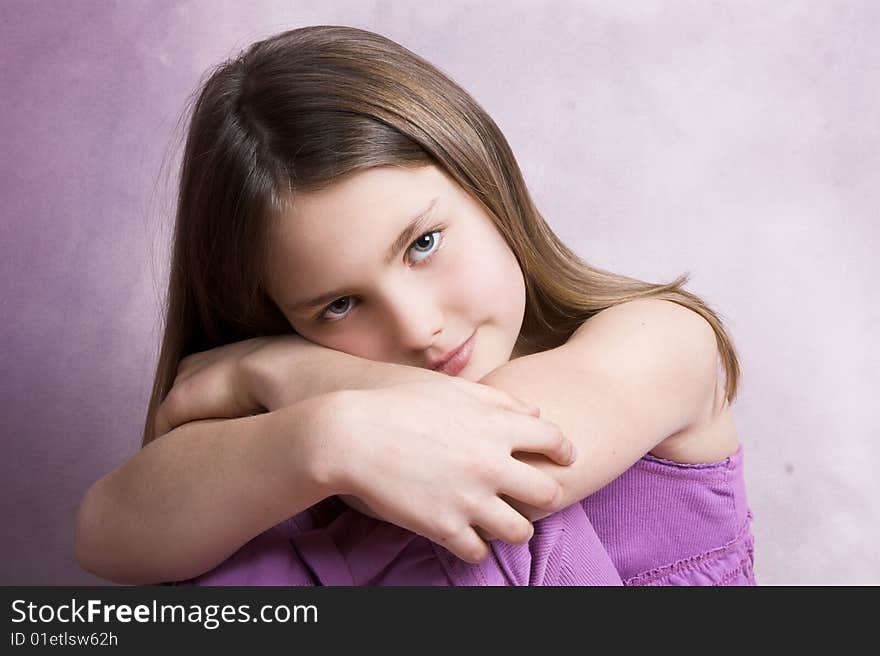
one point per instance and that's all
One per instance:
(558, 440)
(175, 403)
(168, 409)
(520, 532)
(179, 387)
(471, 505)
(490, 468)
(564, 446)
(186, 363)
(477, 465)
(470, 469)
(548, 496)
(445, 530)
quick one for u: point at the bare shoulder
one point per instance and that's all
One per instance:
(652, 333)
(673, 351)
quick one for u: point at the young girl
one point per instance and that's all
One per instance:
(381, 367)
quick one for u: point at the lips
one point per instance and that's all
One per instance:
(459, 358)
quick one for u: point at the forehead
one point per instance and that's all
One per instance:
(349, 226)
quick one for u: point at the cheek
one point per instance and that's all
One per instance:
(463, 281)
(353, 338)
(486, 279)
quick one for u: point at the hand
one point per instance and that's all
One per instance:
(217, 383)
(247, 377)
(436, 458)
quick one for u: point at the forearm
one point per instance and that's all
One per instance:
(303, 369)
(190, 499)
(605, 424)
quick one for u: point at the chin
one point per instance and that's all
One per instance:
(477, 370)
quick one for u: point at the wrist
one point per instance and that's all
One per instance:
(276, 374)
(261, 385)
(329, 444)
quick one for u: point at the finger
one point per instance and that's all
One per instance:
(188, 401)
(505, 400)
(169, 412)
(500, 519)
(189, 365)
(174, 411)
(467, 545)
(530, 485)
(545, 437)
(484, 534)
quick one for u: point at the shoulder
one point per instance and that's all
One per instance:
(661, 349)
(662, 327)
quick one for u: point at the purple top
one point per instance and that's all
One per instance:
(658, 523)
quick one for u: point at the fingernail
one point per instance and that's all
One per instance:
(573, 455)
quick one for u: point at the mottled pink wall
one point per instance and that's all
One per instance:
(737, 140)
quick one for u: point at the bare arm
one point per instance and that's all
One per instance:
(192, 497)
(628, 379)
(269, 373)
(188, 500)
(631, 377)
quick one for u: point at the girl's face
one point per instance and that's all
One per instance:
(351, 273)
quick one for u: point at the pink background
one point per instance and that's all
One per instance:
(736, 140)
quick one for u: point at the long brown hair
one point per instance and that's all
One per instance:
(294, 113)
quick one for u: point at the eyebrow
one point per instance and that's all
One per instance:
(408, 235)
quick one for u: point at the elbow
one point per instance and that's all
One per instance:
(90, 541)
(87, 538)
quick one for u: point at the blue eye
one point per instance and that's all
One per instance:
(429, 247)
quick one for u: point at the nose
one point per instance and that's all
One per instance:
(416, 320)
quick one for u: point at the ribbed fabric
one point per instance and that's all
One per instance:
(659, 523)
(667, 523)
